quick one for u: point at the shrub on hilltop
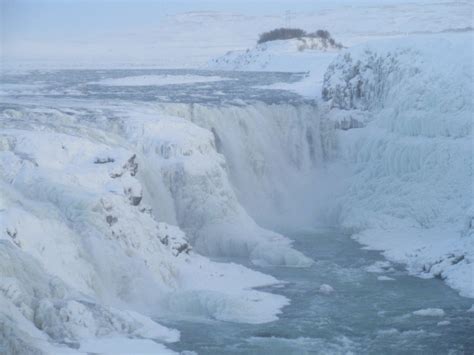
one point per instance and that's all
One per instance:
(281, 33)
(290, 33)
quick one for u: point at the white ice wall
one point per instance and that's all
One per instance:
(78, 240)
(409, 148)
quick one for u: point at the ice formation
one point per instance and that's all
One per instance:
(326, 289)
(404, 113)
(80, 244)
(429, 312)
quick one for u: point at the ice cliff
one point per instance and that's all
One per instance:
(83, 248)
(404, 113)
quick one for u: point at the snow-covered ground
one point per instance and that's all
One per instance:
(298, 54)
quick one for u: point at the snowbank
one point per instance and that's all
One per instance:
(295, 55)
(405, 109)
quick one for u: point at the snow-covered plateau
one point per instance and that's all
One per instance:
(124, 193)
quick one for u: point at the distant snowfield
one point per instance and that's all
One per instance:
(159, 80)
(191, 39)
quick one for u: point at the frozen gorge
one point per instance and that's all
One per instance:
(122, 202)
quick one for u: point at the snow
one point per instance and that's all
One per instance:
(380, 267)
(385, 278)
(87, 249)
(190, 39)
(315, 63)
(158, 80)
(429, 312)
(282, 55)
(196, 177)
(408, 151)
(326, 289)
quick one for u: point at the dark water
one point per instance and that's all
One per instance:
(363, 315)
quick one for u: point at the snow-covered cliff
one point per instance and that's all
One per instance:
(202, 159)
(83, 247)
(405, 109)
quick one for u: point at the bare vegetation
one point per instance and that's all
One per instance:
(289, 33)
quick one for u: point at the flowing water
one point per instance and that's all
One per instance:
(364, 315)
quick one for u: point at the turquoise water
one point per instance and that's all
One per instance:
(363, 315)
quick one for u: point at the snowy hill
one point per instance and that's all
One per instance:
(296, 54)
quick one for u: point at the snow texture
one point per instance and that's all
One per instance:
(429, 312)
(79, 243)
(409, 151)
(296, 55)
